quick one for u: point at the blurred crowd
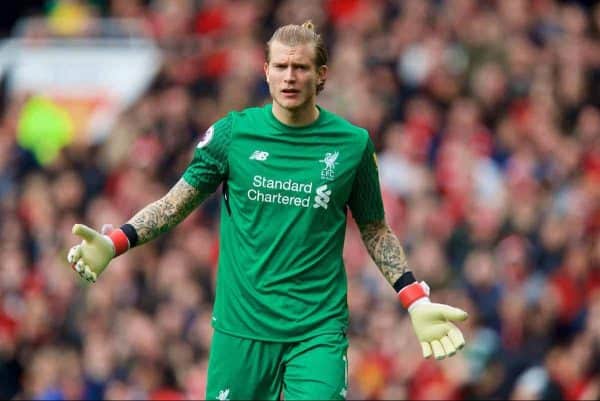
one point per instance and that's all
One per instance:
(486, 119)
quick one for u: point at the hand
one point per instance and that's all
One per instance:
(434, 328)
(93, 254)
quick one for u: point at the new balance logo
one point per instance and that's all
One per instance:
(259, 155)
(322, 198)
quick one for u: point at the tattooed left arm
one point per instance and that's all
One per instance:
(385, 249)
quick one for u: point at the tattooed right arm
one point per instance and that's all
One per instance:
(162, 215)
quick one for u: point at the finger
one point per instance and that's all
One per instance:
(84, 232)
(456, 337)
(449, 348)
(438, 350)
(453, 314)
(74, 254)
(91, 278)
(107, 229)
(80, 266)
(426, 350)
(88, 274)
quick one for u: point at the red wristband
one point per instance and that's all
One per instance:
(120, 241)
(411, 293)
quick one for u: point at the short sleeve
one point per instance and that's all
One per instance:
(365, 200)
(209, 167)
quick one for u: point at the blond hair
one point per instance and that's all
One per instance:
(293, 35)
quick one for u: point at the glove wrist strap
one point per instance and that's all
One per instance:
(424, 300)
(413, 292)
(120, 241)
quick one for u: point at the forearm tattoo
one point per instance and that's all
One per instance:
(162, 215)
(385, 249)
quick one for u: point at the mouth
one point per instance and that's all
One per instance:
(290, 92)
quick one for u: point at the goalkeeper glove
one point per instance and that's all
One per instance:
(92, 255)
(432, 322)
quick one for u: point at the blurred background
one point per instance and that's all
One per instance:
(486, 119)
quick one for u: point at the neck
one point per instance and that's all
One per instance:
(298, 117)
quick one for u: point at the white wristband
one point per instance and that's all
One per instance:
(424, 300)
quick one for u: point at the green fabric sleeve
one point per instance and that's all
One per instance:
(209, 167)
(365, 199)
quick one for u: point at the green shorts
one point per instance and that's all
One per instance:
(312, 369)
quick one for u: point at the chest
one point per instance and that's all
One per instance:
(293, 171)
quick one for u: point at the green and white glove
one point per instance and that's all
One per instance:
(432, 322)
(92, 255)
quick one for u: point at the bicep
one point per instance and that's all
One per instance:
(209, 166)
(365, 200)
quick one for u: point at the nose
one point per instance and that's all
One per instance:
(289, 75)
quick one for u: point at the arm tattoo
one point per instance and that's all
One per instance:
(385, 249)
(162, 215)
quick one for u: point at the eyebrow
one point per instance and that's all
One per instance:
(294, 64)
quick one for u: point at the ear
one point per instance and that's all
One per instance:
(322, 74)
(266, 70)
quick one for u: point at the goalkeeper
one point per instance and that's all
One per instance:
(289, 172)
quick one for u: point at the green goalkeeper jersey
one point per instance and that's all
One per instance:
(281, 274)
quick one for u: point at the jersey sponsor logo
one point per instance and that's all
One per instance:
(206, 138)
(259, 155)
(289, 192)
(223, 395)
(322, 197)
(330, 161)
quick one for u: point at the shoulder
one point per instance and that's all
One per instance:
(249, 114)
(345, 126)
(237, 118)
